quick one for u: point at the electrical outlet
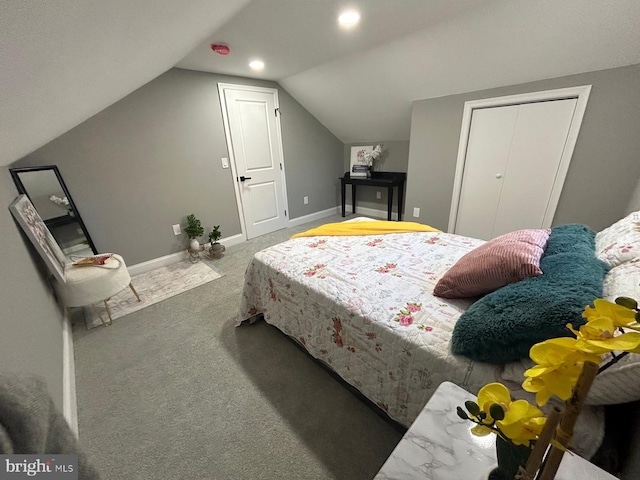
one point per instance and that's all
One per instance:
(176, 229)
(378, 195)
(225, 162)
(306, 200)
(416, 212)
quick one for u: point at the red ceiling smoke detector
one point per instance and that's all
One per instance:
(220, 48)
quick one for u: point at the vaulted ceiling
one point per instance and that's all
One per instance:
(62, 62)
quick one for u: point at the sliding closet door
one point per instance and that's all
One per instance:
(512, 159)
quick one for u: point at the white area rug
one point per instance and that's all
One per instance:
(153, 287)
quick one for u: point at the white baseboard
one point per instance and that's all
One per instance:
(234, 240)
(172, 258)
(313, 216)
(371, 212)
(154, 263)
(69, 400)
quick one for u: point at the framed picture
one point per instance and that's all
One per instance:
(33, 225)
(358, 161)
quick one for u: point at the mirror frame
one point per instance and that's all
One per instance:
(16, 179)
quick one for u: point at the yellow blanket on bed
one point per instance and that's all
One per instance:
(365, 228)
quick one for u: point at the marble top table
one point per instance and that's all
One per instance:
(440, 446)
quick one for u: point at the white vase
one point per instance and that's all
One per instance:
(194, 244)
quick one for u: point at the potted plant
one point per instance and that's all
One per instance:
(528, 443)
(216, 249)
(194, 230)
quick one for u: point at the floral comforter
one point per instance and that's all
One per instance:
(364, 306)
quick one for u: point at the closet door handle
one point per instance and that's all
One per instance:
(243, 178)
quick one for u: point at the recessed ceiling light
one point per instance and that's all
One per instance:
(256, 64)
(349, 18)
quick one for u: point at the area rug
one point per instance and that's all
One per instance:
(153, 287)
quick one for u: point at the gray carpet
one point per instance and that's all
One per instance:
(176, 391)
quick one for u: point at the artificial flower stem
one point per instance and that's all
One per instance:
(537, 454)
(564, 432)
(613, 361)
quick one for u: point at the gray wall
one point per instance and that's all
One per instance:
(313, 159)
(151, 159)
(604, 170)
(31, 322)
(634, 203)
(394, 159)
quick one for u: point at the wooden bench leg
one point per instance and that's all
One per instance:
(134, 291)
(95, 310)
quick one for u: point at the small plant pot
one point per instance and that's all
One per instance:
(194, 244)
(216, 250)
(510, 458)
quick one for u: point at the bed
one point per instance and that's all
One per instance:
(365, 306)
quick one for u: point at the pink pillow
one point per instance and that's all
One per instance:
(506, 259)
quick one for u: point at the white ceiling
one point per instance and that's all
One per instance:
(63, 61)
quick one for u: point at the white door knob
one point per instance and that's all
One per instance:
(498, 175)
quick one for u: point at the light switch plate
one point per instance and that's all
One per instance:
(225, 162)
(176, 229)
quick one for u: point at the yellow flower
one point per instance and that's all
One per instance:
(621, 316)
(487, 396)
(559, 364)
(598, 336)
(522, 422)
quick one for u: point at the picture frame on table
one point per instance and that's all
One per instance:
(358, 166)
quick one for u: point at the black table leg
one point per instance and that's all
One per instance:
(400, 201)
(353, 198)
(389, 202)
(344, 191)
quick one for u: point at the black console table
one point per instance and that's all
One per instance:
(378, 179)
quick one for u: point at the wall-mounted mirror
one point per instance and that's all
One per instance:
(48, 193)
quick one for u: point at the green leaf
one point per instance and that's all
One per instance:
(496, 411)
(194, 229)
(627, 302)
(462, 414)
(472, 407)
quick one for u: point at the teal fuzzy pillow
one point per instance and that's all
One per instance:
(571, 238)
(502, 326)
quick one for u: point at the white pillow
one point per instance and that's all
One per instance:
(620, 242)
(619, 383)
(623, 281)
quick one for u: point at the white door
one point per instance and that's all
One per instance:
(487, 155)
(256, 151)
(513, 157)
(512, 161)
(538, 144)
